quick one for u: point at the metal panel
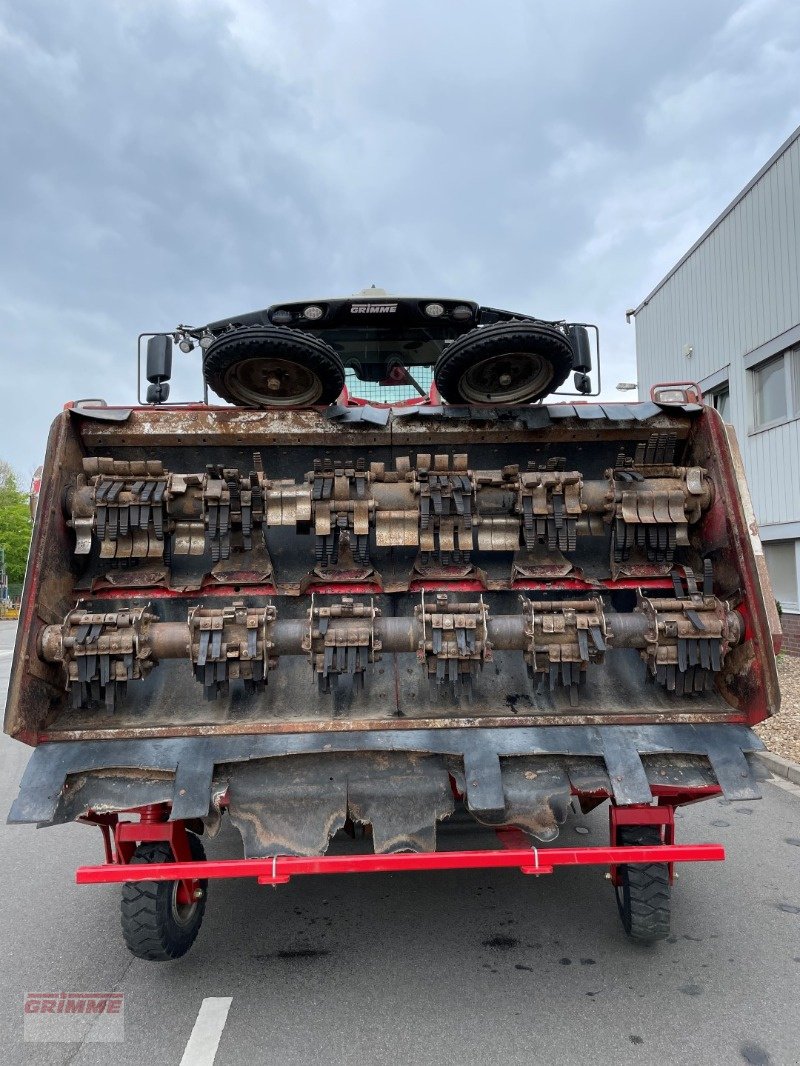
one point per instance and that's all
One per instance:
(737, 289)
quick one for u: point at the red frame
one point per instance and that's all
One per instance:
(121, 837)
(279, 869)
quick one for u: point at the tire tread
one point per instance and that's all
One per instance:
(647, 915)
(279, 341)
(486, 341)
(142, 908)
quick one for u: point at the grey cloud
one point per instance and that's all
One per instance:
(178, 161)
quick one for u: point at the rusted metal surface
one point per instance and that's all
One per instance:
(684, 643)
(496, 474)
(127, 731)
(728, 534)
(432, 501)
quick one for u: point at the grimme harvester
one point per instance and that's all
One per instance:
(311, 611)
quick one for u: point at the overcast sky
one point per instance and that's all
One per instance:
(169, 162)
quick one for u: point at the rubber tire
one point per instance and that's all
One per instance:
(643, 896)
(499, 339)
(148, 925)
(279, 342)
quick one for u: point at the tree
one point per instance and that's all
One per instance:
(15, 523)
(9, 484)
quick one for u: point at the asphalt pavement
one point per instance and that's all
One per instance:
(476, 967)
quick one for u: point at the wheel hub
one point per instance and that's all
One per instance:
(275, 382)
(183, 913)
(514, 377)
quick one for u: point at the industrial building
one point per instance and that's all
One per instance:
(727, 316)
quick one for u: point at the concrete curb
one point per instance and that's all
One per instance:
(780, 766)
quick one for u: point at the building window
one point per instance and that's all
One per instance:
(720, 400)
(774, 387)
(782, 565)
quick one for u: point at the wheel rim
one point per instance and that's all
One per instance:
(182, 913)
(274, 382)
(513, 377)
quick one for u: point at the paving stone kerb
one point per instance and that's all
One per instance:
(780, 766)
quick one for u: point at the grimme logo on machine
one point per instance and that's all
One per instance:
(67, 1017)
(373, 309)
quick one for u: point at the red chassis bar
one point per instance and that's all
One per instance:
(281, 868)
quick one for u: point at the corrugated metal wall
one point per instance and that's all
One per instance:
(739, 289)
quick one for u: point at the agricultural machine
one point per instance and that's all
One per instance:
(382, 583)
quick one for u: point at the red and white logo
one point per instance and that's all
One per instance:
(64, 1017)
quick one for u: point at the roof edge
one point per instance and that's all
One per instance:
(723, 215)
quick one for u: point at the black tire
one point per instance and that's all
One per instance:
(154, 925)
(273, 366)
(643, 895)
(535, 358)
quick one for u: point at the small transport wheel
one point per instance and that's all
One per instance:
(273, 366)
(507, 363)
(643, 894)
(154, 924)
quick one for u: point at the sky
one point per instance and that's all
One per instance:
(171, 161)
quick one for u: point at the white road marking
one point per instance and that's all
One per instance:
(201, 1050)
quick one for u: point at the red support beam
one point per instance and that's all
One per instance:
(279, 869)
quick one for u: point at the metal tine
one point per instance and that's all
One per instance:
(696, 621)
(660, 448)
(583, 645)
(708, 578)
(205, 636)
(716, 656)
(682, 655)
(597, 637)
(216, 643)
(705, 656)
(671, 671)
